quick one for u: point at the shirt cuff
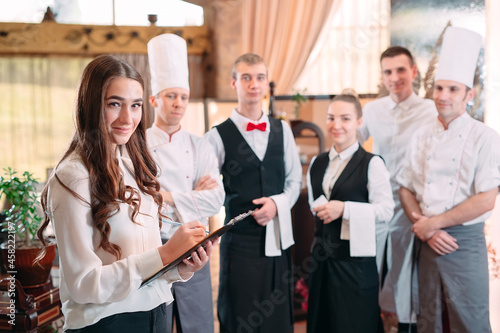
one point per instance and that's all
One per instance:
(148, 263)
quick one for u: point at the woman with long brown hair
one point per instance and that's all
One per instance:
(104, 204)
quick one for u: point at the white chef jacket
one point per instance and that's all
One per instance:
(380, 202)
(93, 284)
(446, 167)
(391, 126)
(279, 233)
(183, 159)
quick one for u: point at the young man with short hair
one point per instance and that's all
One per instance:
(261, 170)
(391, 121)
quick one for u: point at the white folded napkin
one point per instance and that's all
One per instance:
(279, 231)
(360, 229)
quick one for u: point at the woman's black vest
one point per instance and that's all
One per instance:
(350, 186)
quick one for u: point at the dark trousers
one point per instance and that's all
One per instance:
(153, 321)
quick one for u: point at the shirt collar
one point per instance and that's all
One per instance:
(241, 121)
(178, 135)
(407, 103)
(455, 124)
(347, 153)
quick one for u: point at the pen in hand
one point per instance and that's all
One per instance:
(179, 224)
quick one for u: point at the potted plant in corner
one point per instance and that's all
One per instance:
(21, 224)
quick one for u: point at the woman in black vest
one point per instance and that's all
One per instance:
(344, 284)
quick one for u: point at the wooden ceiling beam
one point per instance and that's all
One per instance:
(55, 38)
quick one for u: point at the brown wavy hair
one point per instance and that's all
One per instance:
(92, 143)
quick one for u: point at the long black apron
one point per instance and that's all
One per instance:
(343, 290)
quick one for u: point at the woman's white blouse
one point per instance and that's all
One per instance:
(93, 284)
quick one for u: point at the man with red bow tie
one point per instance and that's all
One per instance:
(261, 170)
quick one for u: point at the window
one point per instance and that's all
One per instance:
(100, 12)
(347, 53)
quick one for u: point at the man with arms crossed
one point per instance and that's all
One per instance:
(391, 121)
(449, 185)
(189, 177)
(261, 170)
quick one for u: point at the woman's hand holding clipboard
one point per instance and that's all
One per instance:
(213, 236)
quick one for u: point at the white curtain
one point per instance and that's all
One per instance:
(284, 33)
(348, 51)
(37, 110)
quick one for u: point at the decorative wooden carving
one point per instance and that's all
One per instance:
(54, 38)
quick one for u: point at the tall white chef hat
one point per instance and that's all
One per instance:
(458, 57)
(168, 63)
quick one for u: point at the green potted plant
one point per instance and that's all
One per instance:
(299, 98)
(21, 224)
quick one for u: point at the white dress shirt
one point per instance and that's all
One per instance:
(391, 126)
(446, 167)
(279, 231)
(93, 284)
(380, 204)
(183, 159)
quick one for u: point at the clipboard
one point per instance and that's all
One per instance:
(217, 233)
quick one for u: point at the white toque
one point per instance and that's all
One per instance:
(458, 56)
(168, 63)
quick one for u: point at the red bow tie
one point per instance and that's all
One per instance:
(260, 127)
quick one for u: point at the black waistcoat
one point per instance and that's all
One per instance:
(245, 177)
(350, 186)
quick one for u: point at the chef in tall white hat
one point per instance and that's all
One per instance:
(449, 184)
(188, 174)
(456, 69)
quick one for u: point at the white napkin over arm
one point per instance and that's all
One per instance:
(279, 231)
(358, 226)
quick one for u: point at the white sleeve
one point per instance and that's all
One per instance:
(282, 224)
(293, 168)
(379, 190)
(487, 175)
(195, 205)
(87, 278)
(366, 221)
(214, 138)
